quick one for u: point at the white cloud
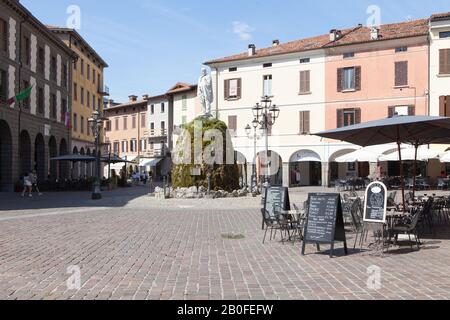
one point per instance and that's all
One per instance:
(243, 30)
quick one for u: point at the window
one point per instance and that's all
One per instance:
(133, 122)
(232, 124)
(143, 144)
(75, 92)
(305, 122)
(305, 60)
(75, 65)
(125, 123)
(267, 65)
(93, 76)
(64, 76)
(93, 101)
(152, 109)
(108, 125)
(82, 67)
(444, 106)
(163, 108)
(53, 69)
(305, 82)
(116, 124)
(3, 85)
(124, 146)
(233, 89)
(163, 128)
(26, 51)
(152, 128)
(75, 122)
(89, 71)
(234, 69)
(401, 49)
(151, 145)
(445, 34)
(267, 85)
(349, 55)
(184, 102)
(349, 79)
(88, 98)
(82, 124)
(3, 35)
(401, 111)
(348, 117)
(53, 106)
(183, 119)
(116, 147)
(40, 100)
(82, 96)
(41, 60)
(444, 61)
(401, 73)
(143, 124)
(133, 145)
(63, 110)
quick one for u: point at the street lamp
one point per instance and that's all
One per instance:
(255, 137)
(96, 123)
(265, 116)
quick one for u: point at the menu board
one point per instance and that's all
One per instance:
(375, 206)
(277, 196)
(325, 221)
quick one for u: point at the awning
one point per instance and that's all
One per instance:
(149, 162)
(306, 156)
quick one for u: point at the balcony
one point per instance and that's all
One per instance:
(155, 153)
(157, 133)
(103, 90)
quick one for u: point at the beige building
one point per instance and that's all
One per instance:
(88, 91)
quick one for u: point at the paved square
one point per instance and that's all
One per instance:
(131, 246)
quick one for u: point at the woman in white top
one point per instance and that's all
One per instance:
(27, 184)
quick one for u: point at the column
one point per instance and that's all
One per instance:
(286, 175)
(325, 174)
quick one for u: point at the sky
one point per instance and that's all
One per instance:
(150, 45)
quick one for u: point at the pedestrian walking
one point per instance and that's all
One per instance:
(27, 185)
(34, 183)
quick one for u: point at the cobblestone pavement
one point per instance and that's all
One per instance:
(131, 246)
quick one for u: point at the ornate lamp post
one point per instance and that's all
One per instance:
(266, 115)
(255, 137)
(96, 123)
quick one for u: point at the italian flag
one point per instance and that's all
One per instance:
(20, 97)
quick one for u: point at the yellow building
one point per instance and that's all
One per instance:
(88, 91)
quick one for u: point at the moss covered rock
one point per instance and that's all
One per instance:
(223, 176)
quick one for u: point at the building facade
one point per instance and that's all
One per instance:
(342, 78)
(32, 131)
(88, 93)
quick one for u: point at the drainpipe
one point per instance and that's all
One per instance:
(217, 92)
(429, 75)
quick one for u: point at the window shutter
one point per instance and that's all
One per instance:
(411, 111)
(239, 89)
(305, 86)
(232, 124)
(340, 78)
(401, 73)
(307, 122)
(357, 116)
(442, 106)
(446, 106)
(340, 118)
(3, 35)
(226, 86)
(391, 112)
(444, 61)
(302, 121)
(357, 78)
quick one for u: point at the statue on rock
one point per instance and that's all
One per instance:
(205, 93)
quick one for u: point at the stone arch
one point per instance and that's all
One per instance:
(53, 152)
(40, 161)
(63, 165)
(24, 152)
(305, 168)
(270, 164)
(6, 147)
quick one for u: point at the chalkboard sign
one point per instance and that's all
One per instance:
(325, 221)
(278, 196)
(375, 206)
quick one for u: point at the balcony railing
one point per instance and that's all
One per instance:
(103, 90)
(158, 133)
(155, 153)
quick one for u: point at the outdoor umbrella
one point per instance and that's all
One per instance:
(410, 155)
(113, 159)
(416, 130)
(362, 155)
(445, 157)
(74, 158)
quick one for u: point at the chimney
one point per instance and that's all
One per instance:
(275, 43)
(251, 50)
(133, 98)
(145, 97)
(374, 33)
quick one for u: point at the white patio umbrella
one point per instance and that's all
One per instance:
(423, 154)
(445, 157)
(362, 155)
